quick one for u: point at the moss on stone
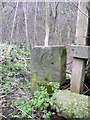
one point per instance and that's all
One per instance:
(72, 105)
(49, 64)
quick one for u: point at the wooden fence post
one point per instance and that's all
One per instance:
(78, 71)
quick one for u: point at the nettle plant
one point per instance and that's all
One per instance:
(41, 101)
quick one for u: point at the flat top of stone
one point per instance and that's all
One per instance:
(53, 46)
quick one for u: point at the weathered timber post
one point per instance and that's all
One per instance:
(79, 64)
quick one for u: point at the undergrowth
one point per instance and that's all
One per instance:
(41, 102)
(15, 86)
(16, 97)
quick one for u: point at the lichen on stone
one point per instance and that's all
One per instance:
(72, 105)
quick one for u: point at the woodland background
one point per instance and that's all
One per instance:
(62, 22)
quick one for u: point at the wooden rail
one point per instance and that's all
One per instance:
(81, 52)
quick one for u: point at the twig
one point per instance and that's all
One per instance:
(67, 86)
(86, 91)
(3, 96)
(79, 9)
(69, 63)
(86, 86)
(4, 116)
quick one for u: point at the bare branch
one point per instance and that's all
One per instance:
(79, 9)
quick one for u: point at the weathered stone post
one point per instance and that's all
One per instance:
(48, 64)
